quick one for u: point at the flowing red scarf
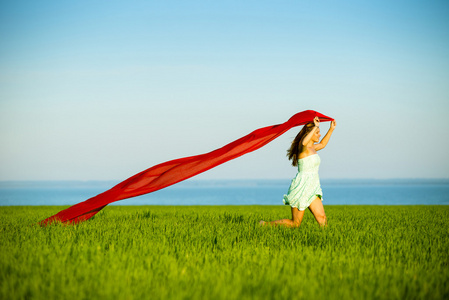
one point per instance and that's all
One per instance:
(174, 171)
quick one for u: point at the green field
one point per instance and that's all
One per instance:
(219, 252)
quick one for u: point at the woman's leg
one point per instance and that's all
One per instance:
(295, 221)
(317, 210)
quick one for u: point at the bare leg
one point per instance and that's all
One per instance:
(295, 221)
(317, 210)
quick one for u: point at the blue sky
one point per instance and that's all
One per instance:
(104, 89)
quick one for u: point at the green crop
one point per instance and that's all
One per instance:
(220, 252)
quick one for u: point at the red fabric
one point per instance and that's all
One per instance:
(174, 171)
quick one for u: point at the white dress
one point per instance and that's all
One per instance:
(305, 187)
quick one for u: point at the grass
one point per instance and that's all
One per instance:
(219, 252)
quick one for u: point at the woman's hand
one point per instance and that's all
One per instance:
(316, 121)
(326, 138)
(333, 124)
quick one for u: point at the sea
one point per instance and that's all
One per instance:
(233, 192)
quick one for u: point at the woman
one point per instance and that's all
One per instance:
(305, 191)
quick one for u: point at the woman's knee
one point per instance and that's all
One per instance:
(296, 222)
(321, 218)
(297, 216)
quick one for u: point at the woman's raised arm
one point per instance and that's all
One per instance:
(308, 137)
(326, 138)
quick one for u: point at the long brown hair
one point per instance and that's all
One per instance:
(295, 148)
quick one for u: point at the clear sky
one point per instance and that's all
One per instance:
(100, 90)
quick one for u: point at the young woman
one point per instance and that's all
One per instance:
(305, 190)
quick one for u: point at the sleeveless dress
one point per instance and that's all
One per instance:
(305, 187)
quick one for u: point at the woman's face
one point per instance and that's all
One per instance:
(316, 136)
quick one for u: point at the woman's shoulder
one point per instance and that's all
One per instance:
(306, 152)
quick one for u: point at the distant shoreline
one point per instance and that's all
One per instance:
(221, 182)
(232, 192)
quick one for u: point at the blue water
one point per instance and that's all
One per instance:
(233, 192)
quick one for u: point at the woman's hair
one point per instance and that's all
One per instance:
(295, 148)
